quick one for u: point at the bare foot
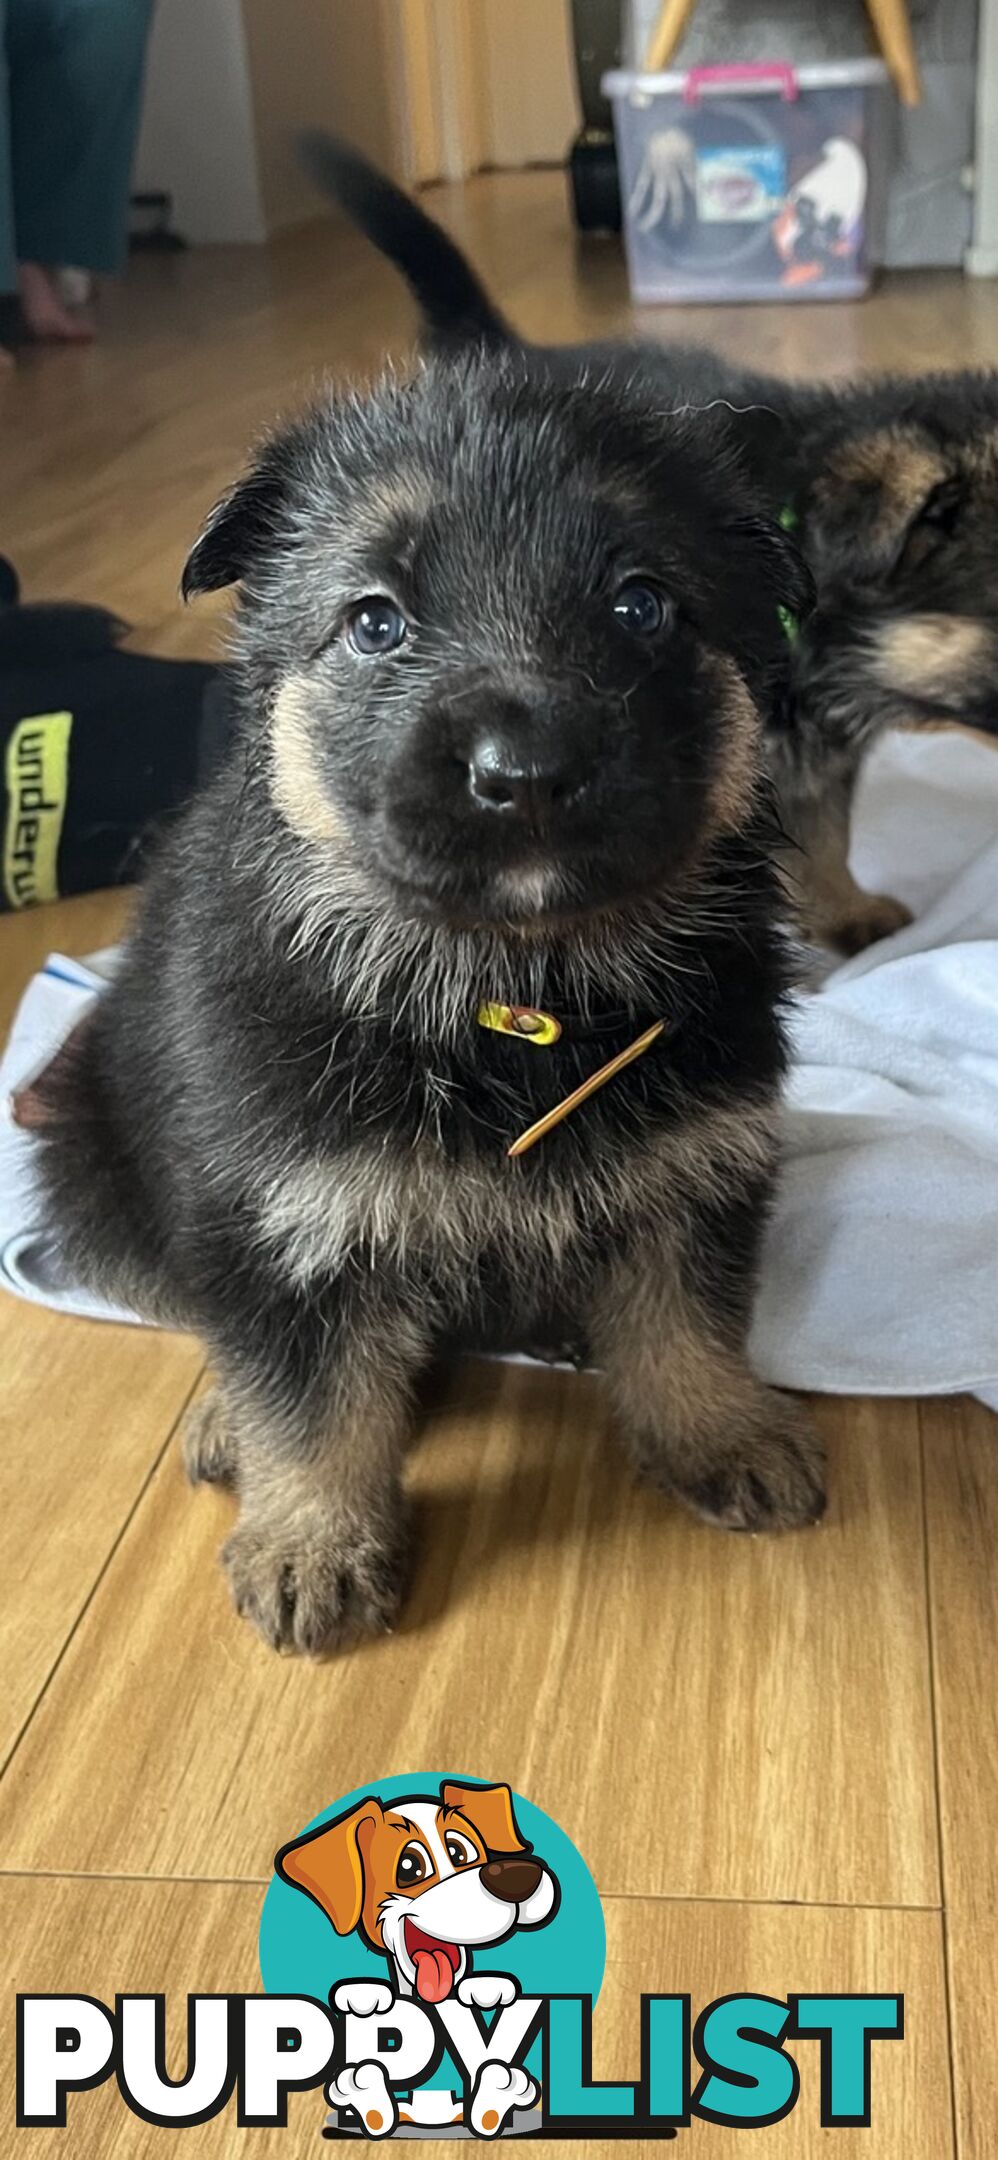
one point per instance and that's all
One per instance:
(46, 315)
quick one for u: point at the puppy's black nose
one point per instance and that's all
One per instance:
(512, 1880)
(500, 779)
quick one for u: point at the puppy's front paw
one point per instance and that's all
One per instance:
(773, 1478)
(210, 1454)
(312, 1581)
(878, 917)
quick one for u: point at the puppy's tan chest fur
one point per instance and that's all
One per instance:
(366, 1201)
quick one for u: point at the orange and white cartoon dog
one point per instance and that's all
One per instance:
(427, 1881)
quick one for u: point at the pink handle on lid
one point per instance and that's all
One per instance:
(754, 74)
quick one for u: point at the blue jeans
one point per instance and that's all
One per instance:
(70, 103)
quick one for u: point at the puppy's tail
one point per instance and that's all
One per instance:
(455, 306)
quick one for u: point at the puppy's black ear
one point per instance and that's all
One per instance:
(784, 572)
(236, 534)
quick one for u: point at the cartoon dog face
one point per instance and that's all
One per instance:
(425, 1880)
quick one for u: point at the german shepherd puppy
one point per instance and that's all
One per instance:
(508, 629)
(890, 487)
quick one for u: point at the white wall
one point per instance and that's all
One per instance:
(229, 82)
(198, 134)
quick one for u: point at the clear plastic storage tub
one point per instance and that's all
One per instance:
(751, 183)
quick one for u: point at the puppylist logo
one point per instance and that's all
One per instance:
(432, 1950)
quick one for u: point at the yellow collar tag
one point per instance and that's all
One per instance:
(539, 1028)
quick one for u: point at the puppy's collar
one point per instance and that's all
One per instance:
(542, 1029)
(789, 622)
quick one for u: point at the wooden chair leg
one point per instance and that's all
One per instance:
(893, 29)
(890, 21)
(666, 35)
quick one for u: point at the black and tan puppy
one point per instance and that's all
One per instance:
(506, 631)
(893, 489)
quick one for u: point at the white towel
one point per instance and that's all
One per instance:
(30, 1262)
(880, 1271)
(881, 1265)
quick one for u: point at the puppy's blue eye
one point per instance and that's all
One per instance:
(376, 626)
(642, 609)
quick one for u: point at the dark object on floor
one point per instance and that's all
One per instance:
(595, 182)
(98, 745)
(151, 225)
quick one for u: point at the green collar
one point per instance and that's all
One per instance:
(788, 620)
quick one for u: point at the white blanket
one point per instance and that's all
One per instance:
(881, 1264)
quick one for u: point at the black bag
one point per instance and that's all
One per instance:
(98, 746)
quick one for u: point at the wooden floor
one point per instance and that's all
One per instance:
(779, 1758)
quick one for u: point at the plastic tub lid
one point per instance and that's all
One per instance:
(815, 75)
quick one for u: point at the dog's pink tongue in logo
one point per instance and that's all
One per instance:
(434, 1975)
(436, 1963)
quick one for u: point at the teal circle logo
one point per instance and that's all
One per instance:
(474, 1877)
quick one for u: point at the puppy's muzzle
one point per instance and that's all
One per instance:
(512, 1880)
